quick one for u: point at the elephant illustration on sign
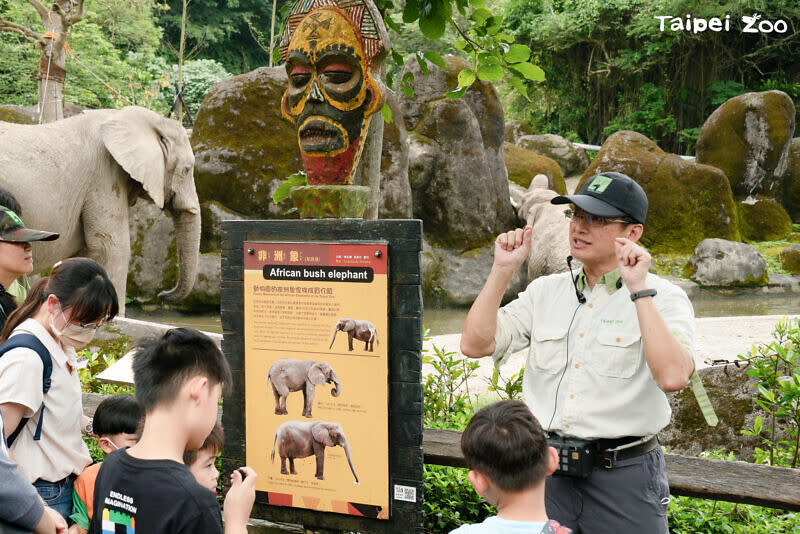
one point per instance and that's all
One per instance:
(78, 176)
(288, 375)
(301, 439)
(361, 330)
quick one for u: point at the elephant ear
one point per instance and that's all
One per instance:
(322, 434)
(134, 142)
(316, 375)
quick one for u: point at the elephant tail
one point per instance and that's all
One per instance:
(272, 456)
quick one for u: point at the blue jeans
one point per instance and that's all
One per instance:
(57, 495)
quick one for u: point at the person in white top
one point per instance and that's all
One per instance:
(62, 311)
(605, 346)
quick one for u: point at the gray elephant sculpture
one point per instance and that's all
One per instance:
(288, 375)
(301, 439)
(361, 330)
(78, 176)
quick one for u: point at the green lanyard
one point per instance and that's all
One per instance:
(703, 400)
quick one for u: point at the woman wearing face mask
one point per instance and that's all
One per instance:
(62, 311)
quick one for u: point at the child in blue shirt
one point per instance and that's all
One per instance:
(508, 457)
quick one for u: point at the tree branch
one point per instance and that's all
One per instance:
(27, 33)
(39, 8)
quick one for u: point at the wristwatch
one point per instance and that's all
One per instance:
(643, 293)
(89, 428)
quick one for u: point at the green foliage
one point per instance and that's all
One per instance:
(450, 500)
(649, 117)
(776, 366)
(293, 180)
(109, 351)
(445, 405)
(198, 77)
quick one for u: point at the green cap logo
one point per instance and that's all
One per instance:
(14, 217)
(599, 184)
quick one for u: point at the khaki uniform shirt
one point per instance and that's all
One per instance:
(61, 450)
(586, 375)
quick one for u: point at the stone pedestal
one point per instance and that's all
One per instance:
(331, 201)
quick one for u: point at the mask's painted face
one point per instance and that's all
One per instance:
(331, 95)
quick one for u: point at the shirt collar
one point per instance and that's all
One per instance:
(612, 280)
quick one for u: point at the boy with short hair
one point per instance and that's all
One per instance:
(508, 456)
(179, 378)
(116, 424)
(201, 462)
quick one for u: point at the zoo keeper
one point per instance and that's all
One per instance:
(606, 344)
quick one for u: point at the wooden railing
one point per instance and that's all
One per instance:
(740, 482)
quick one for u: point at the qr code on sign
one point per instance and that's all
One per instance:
(405, 493)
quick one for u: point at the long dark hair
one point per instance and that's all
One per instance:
(81, 284)
(7, 302)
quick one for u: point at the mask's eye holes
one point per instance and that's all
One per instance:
(337, 73)
(299, 75)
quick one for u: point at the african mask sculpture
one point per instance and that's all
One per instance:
(332, 50)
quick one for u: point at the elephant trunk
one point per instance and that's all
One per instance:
(187, 237)
(346, 447)
(337, 386)
(335, 330)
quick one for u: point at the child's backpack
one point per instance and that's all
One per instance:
(30, 341)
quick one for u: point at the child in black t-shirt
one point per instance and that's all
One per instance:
(179, 379)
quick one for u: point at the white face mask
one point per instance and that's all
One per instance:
(72, 335)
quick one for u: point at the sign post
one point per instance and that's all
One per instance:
(323, 332)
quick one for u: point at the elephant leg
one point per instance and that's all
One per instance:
(319, 452)
(277, 400)
(291, 466)
(350, 340)
(105, 230)
(283, 465)
(371, 345)
(308, 399)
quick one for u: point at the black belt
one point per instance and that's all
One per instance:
(607, 459)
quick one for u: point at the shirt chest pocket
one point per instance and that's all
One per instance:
(617, 354)
(549, 348)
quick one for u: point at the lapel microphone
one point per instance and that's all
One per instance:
(578, 292)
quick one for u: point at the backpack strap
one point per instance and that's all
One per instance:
(30, 341)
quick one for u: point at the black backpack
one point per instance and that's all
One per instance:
(30, 341)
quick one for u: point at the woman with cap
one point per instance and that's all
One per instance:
(43, 424)
(16, 257)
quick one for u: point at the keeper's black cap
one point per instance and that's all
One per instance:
(609, 194)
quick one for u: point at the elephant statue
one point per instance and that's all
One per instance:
(288, 375)
(78, 176)
(301, 439)
(361, 330)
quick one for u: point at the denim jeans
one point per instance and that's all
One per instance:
(57, 495)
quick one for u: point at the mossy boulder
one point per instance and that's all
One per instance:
(16, 114)
(791, 180)
(721, 263)
(790, 259)
(570, 158)
(396, 200)
(516, 129)
(688, 202)
(456, 167)
(763, 219)
(748, 138)
(243, 146)
(523, 165)
(153, 265)
(211, 215)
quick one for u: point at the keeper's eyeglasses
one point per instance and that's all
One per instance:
(576, 217)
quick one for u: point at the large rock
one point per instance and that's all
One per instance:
(763, 219)
(523, 165)
(550, 239)
(731, 393)
(515, 130)
(456, 167)
(16, 114)
(243, 147)
(791, 180)
(748, 138)
(570, 158)
(688, 202)
(455, 278)
(790, 259)
(211, 216)
(717, 262)
(396, 200)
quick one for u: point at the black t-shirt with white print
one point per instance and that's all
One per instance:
(151, 497)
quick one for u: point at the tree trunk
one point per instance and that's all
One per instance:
(52, 70)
